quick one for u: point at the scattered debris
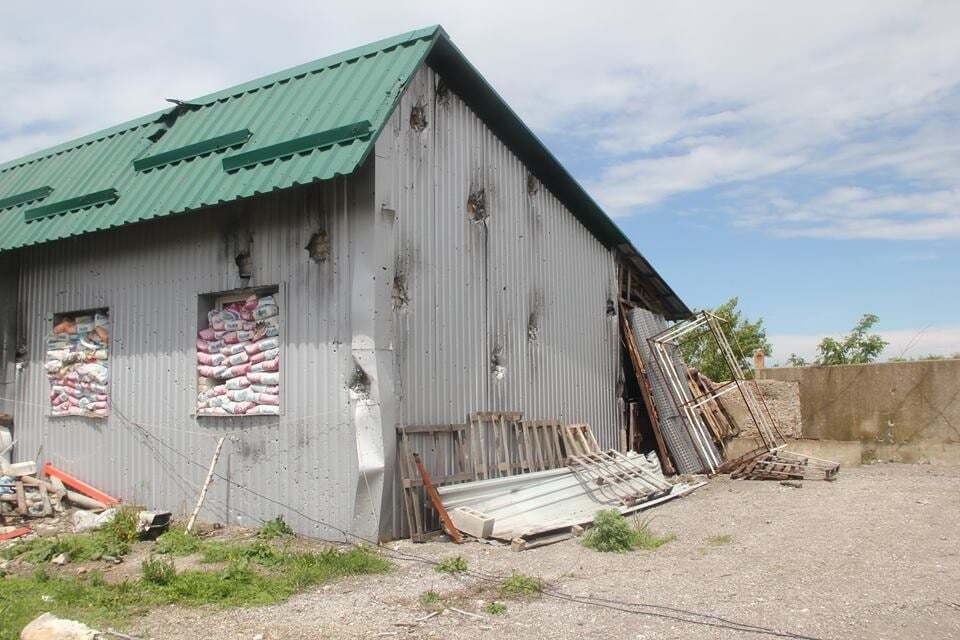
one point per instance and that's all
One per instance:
(501, 477)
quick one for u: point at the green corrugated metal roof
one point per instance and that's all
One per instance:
(305, 124)
(357, 88)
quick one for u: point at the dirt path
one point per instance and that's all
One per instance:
(875, 555)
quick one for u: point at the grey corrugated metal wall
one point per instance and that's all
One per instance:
(526, 288)
(429, 303)
(150, 277)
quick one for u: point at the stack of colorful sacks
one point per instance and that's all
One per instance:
(77, 366)
(238, 360)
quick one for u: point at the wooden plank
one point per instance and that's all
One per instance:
(418, 531)
(633, 350)
(16, 533)
(448, 525)
(432, 428)
(486, 416)
(21, 499)
(206, 485)
(45, 499)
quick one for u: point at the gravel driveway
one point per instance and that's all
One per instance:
(875, 554)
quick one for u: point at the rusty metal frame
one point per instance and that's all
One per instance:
(769, 460)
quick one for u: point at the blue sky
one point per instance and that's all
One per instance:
(804, 158)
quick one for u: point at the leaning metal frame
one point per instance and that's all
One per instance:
(771, 453)
(686, 404)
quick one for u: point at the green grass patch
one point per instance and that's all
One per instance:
(452, 564)
(495, 608)
(519, 585)
(720, 540)
(275, 528)
(251, 577)
(612, 533)
(177, 542)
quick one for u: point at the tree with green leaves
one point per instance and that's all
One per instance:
(745, 338)
(857, 347)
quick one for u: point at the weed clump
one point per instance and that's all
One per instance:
(519, 585)
(452, 564)
(720, 540)
(430, 598)
(612, 533)
(275, 528)
(159, 571)
(495, 608)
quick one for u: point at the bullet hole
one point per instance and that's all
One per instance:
(359, 381)
(532, 186)
(611, 308)
(418, 118)
(477, 205)
(533, 326)
(399, 294)
(443, 91)
(244, 264)
(497, 368)
(318, 247)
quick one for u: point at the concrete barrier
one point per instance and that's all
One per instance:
(902, 411)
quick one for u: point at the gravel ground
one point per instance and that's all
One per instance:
(875, 554)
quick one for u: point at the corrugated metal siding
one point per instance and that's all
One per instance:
(362, 84)
(150, 278)
(472, 287)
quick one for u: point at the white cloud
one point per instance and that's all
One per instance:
(673, 97)
(907, 343)
(855, 212)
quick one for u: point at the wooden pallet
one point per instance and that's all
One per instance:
(579, 440)
(540, 444)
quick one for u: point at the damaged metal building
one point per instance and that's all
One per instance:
(426, 254)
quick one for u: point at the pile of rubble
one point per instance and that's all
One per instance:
(27, 492)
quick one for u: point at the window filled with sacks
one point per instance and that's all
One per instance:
(78, 364)
(238, 357)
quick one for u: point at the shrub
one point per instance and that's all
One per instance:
(611, 532)
(159, 571)
(452, 564)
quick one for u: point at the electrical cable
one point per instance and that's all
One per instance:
(636, 608)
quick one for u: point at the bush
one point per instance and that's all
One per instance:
(452, 564)
(611, 532)
(159, 571)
